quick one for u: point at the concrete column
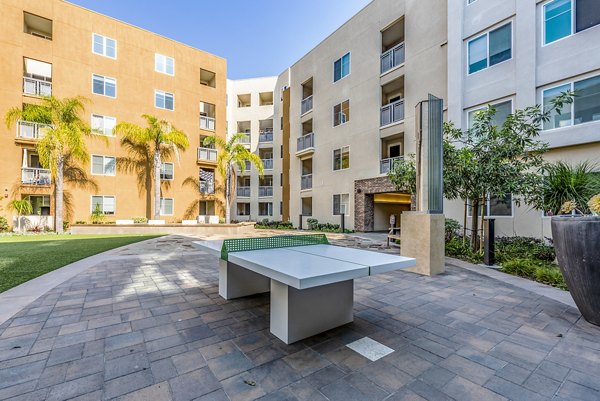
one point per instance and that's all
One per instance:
(422, 238)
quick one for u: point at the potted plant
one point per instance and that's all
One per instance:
(576, 238)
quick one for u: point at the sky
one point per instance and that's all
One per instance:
(257, 37)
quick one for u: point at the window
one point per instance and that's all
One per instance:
(106, 204)
(341, 158)
(584, 109)
(243, 209)
(496, 206)
(558, 20)
(164, 64)
(164, 100)
(104, 165)
(587, 14)
(208, 78)
(503, 110)
(265, 208)
(207, 181)
(341, 113)
(207, 208)
(40, 205)
(104, 46)
(39, 27)
(104, 86)
(103, 125)
(166, 171)
(341, 67)
(340, 204)
(490, 49)
(166, 206)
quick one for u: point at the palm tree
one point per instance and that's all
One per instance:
(160, 138)
(21, 207)
(564, 182)
(232, 152)
(64, 138)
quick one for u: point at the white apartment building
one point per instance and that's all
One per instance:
(250, 111)
(519, 53)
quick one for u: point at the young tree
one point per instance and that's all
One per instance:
(22, 207)
(64, 138)
(231, 153)
(159, 138)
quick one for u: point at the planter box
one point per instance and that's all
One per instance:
(189, 222)
(156, 222)
(124, 222)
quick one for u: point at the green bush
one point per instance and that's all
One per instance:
(66, 225)
(140, 220)
(3, 224)
(543, 272)
(314, 225)
(508, 248)
(275, 225)
(457, 248)
(80, 222)
(451, 229)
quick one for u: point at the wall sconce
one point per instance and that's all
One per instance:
(6, 193)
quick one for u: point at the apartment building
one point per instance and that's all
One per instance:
(56, 48)
(251, 111)
(515, 54)
(347, 111)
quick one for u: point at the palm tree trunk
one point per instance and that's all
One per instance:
(58, 196)
(157, 184)
(228, 195)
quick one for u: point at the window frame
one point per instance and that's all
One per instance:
(112, 134)
(543, 15)
(164, 93)
(484, 106)
(104, 78)
(488, 209)
(487, 35)
(347, 204)
(341, 108)
(103, 197)
(349, 54)
(341, 149)
(269, 209)
(103, 165)
(161, 208)
(161, 171)
(237, 208)
(104, 39)
(157, 56)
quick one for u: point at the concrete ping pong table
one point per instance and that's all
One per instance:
(311, 282)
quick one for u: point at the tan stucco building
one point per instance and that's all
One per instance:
(54, 47)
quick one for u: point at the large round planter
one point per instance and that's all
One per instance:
(577, 244)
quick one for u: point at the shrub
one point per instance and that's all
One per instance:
(80, 222)
(97, 216)
(314, 225)
(451, 229)
(140, 220)
(3, 224)
(66, 225)
(508, 248)
(536, 270)
(275, 225)
(457, 248)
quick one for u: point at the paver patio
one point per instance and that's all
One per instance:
(150, 325)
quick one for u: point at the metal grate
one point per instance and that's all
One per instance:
(280, 241)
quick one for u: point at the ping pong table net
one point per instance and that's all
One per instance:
(279, 241)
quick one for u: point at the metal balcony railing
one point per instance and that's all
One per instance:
(267, 164)
(387, 164)
(392, 113)
(207, 154)
(207, 187)
(306, 181)
(392, 58)
(305, 142)
(243, 192)
(265, 136)
(307, 104)
(35, 176)
(29, 130)
(207, 123)
(264, 192)
(36, 87)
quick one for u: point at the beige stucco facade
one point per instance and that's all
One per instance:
(69, 51)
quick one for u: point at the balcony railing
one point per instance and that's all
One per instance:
(207, 154)
(36, 87)
(207, 123)
(307, 104)
(35, 176)
(305, 142)
(264, 192)
(243, 192)
(29, 130)
(306, 181)
(392, 113)
(265, 136)
(207, 187)
(267, 164)
(387, 164)
(245, 139)
(392, 58)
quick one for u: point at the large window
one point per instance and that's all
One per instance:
(503, 110)
(104, 46)
(167, 171)
(104, 86)
(40, 205)
(164, 64)
(265, 209)
(491, 48)
(106, 204)
(103, 165)
(563, 18)
(496, 207)
(341, 113)
(164, 100)
(103, 125)
(341, 158)
(243, 209)
(166, 206)
(584, 109)
(341, 67)
(340, 203)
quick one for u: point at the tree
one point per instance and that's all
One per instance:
(159, 138)
(64, 138)
(22, 207)
(232, 153)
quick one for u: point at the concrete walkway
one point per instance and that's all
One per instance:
(147, 324)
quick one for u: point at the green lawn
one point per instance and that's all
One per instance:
(23, 258)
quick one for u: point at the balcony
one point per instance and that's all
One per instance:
(245, 140)
(265, 192)
(207, 155)
(35, 176)
(392, 58)
(305, 143)
(243, 192)
(306, 182)
(36, 87)
(307, 105)
(386, 165)
(207, 123)
(207, 187)
(267, 164)
(265, 136)
(392, 113)
(29, 130)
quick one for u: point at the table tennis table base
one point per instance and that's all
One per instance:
(237, 282)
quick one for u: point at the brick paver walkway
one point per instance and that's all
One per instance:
(151, 326)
